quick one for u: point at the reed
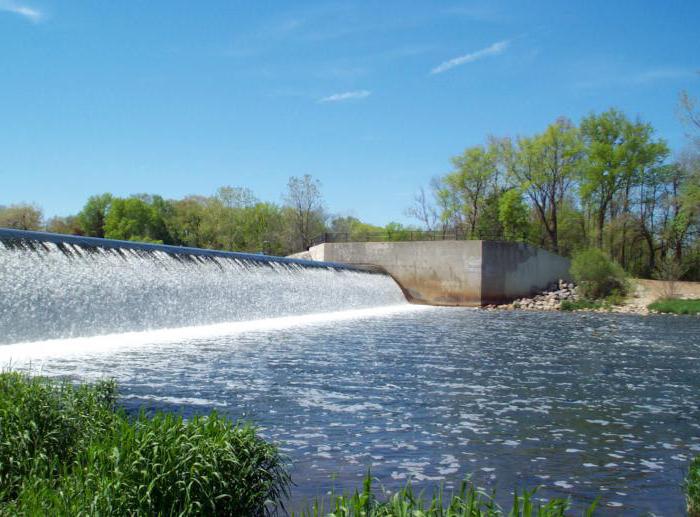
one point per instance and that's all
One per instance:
(65, 450)
(467, 502)
(692, 488)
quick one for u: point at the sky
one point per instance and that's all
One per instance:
(372, 98)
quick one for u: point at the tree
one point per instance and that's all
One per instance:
(134, 218)
(690, 116)
(544, 168)
(94, 214)
(513, 215)
(463, 191)
(69, 225)
(262, 228)
(185, 223)
(236, 197)
(304, 205)
(423, 210)
(616, 151)
(21, 217)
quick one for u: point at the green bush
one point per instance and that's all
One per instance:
(692, 488)
(469, 501)
(90, 460)
(597, 275)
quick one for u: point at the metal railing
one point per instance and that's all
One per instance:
(391, 236)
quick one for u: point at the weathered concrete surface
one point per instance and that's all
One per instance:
(465, 273)
(511, 270)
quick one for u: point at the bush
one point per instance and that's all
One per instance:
(162, 465)
(469, 501)
(597, 275)
(692, 488)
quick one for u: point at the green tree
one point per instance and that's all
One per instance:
(94, 214)
(463, 191)
(616, 151)
(514, 216)
(544, 168)
(133, 218)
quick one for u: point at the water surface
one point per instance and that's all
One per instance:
(582, 404)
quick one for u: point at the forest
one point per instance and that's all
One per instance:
(606, 182)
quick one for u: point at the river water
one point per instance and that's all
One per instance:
(584, 405)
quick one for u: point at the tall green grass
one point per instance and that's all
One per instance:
(467, 502)
(64, 450)
(44, 425)
(692, 488)
(676, 306)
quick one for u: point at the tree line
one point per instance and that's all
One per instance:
(232, 219)
(607, 182)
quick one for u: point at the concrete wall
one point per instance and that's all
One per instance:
(436, 273)
(511, 270)
(467, 273)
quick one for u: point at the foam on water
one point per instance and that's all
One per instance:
(54, 290)
(23, 353)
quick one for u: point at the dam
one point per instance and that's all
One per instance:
(335, 366)
(454, 272)
(57, 286)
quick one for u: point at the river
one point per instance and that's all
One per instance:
(583, 405)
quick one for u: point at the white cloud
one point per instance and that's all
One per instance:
(30, 13)
(493, 50)
(346, 96)
(661, 74)
(615, 76)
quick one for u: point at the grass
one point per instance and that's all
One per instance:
(607, 303)
(66, 450)
(581, 304)
(692, 488)
(468, 502)
(676, 306)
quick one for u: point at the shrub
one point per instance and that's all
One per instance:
(597, 275)
(160, 465)
(668, 271)
(692, 488)
(469, 501)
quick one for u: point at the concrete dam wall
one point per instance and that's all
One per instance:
(467, 273)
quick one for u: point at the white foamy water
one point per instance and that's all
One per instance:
(35, 352)
(54, 291)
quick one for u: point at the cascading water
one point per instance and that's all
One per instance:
(55, 287)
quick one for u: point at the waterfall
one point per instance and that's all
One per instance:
(56, 286)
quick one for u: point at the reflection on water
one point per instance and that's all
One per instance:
(581, 404)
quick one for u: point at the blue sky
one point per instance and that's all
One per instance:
(372, 98)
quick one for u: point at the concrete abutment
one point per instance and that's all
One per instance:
(458, 273)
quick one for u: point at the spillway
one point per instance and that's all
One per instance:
(55, 286)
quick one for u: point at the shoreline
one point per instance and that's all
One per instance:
(643, 293)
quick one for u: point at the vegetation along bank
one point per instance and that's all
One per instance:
(69, 450)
